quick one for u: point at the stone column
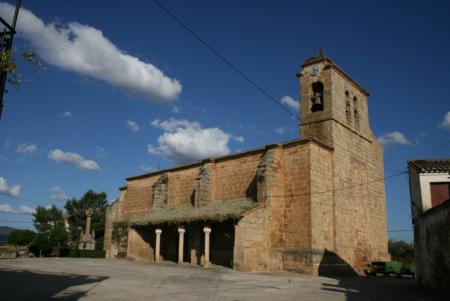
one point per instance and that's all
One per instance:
(88, 221)
(207, 231)
(157, 244)
(180, 245)
(66, 222)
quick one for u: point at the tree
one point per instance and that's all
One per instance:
(44, 219)
(10, 72)
(21, 237)
(8, 64)
(401, 251)
(41, 242)
(13, 237)
(57, 237)
(77, 213)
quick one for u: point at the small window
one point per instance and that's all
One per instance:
(440, 192)
(348, 110)
(317, 98)
(356, 111)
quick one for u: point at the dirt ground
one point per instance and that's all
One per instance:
(102, 279)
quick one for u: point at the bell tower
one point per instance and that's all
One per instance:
(334, 112)
(330, 99)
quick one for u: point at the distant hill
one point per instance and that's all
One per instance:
(4, 232)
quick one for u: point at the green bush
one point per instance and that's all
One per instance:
(64, 252)
(91, 253)
(401, 251)
(21, 237)
(81, 253)
(73, 253)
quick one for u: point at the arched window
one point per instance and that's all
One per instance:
(317, 98)
(348, 109)
(356, 110)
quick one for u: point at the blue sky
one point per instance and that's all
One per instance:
(128, 90)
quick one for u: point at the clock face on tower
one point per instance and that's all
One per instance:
(315, 70)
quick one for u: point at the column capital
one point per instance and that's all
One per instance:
(181, 230)
(207, 230)
(158, 231)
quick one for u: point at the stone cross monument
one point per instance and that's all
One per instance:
(87, 240)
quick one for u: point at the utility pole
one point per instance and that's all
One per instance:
(6, 41)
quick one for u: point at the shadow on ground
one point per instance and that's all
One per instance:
(392, 288)
(26, 285)
(358, 288)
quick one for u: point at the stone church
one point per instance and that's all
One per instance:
(314, 205)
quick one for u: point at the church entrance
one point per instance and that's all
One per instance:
(222, 243)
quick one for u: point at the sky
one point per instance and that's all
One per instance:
(127, 90)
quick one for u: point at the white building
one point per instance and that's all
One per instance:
(429, 184)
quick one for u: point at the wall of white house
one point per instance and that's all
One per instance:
(425, 180)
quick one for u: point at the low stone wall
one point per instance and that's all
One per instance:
(432, 244)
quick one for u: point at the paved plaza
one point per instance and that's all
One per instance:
(102, 279)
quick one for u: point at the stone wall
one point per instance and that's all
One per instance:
(234, 176)
(112, 215)
(297, 211)
(140, 244)
(138, 196)
(432, 246)
(182, 185)
(259, 234)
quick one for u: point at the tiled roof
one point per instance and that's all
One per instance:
(431, 166)
(215, 211)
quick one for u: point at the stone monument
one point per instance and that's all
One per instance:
(87, 240)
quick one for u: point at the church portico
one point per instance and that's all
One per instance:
(196, 243)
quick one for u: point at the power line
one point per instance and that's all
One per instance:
(341, 188)
(223, 59)
(438, 149)
(242, 74)
(234, 68)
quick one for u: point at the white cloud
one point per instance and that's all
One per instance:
(239, 139)
(291, 103)
(85, 50)
(184, 141)
(73, 158)
(9, 190)
(176, 109)
(280, 130)
(147, 168)
(100, 152)
(26, 210)
(6, 208)
(393, 138)
(26, 148)
(419, 137)
(153, 150)
(66, 115)
(58, 193)
(132, 126)
(8, 143)
(445, 124)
